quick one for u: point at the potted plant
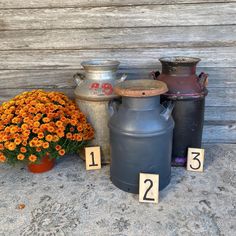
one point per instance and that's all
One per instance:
(37, 127)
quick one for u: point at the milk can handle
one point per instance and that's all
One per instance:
(113, 107)
(169, 106)
(155, 74)
(79, 78)
(203, 79)
(122, 78)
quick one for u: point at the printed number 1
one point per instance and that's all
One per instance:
(93, 161)
(93, 158)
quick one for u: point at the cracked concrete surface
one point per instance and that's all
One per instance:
(72, 201)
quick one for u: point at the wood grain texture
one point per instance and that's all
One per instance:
(158, 37)
(219, 133)
(129, 58)
(220, 115)
(218, 77)
(113, 17)
(87, 3)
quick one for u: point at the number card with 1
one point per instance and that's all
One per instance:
(148, 187)
(93, 158)
(195, 159)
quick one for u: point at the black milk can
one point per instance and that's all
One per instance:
(188, 91)
(140, 134)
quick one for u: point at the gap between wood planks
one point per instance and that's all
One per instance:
(120, 4)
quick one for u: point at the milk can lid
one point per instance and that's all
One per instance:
(140, 88)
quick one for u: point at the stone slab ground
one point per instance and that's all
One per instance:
(72, 201)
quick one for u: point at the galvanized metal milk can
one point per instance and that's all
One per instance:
(140, 134)
(188, 91)
(93, 92)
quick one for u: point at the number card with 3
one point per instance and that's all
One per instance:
(148, 187)
(195, 159)
(93, 158)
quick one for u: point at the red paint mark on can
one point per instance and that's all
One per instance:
(107, 89)
(94, 86)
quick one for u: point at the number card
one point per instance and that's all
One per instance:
(148, 187)
(93, 158)
(195, 159)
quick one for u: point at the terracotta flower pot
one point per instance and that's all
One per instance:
(45, 165)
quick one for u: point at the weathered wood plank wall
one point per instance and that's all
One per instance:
(42, 43)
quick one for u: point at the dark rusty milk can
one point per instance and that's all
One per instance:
(93, 92)
(140, 134)
(188, 91)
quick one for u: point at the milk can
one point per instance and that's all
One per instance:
(93, 92)
(188, 91)
(140, 134)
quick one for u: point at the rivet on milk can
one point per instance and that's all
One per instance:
(140, 134)
(93, 92)
(188, 92)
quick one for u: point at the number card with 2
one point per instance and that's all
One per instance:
(93, 158)
(148, 187)
(195, 159)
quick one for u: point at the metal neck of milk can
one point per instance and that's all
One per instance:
(179, 73)
(179, 66)
(143, 103)
(100, 69)
(97, 80)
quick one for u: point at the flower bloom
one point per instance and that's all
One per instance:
(20, 156)
(32, 158)
(23, 149)
(61, 152)
(58, 147)
(45, 145)
(2, 157)
(49, 137)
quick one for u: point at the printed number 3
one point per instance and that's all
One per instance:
(196, 159)
(148, 189)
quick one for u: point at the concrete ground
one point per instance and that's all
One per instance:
(72, 201)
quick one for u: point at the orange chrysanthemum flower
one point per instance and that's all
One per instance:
(69, 135)
(23, 149)
(59, 123)
(1, 147)
(55, 138)
(20, 156)
(61, 152)
(58, 147)
(11, 146)
(45, 145)
(17, 141)
(24, 143)
(40, 135)
(32, 158)
(46, 120)
(36, 124)
(49, 137)
(2, 158)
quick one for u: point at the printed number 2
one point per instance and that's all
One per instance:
(145, 198)
(148, 187)
(195, 159)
